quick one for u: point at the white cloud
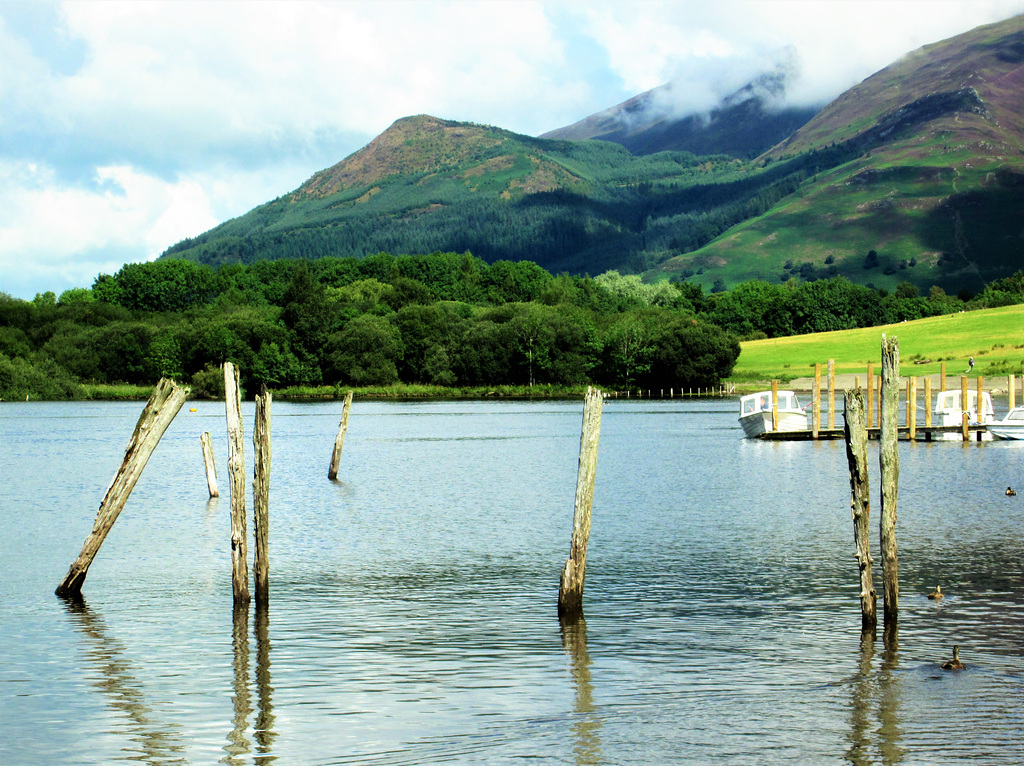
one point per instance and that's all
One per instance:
(125, 126)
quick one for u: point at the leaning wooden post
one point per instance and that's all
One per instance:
(965, 417)
(816, 403)
(831, 394)
(889, 462)
(211, 466)
(856, 432)
(775, 405)
(339, 440)
(236, 475)
(570, 590)
(163, 405)
(261, 495)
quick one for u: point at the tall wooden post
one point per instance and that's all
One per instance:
(912, 408)
(570, 590)
(211, 466)
(942, 376)
(980, 417)
(1011, 389)
(928, 402)
(816, 403)
(261, 495)
(775, 405)
(339, 440)
(236, 476)
(163, 405)
(871, 395)
(856, 432)
(889, 462)
(965, 417)
(831, 394)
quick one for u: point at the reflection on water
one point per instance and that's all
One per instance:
(586, 725)
(413, 603)
(119, 681)
(262, 730)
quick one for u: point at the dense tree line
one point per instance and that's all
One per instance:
(446, 319)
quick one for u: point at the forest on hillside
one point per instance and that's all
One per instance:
(446, 319)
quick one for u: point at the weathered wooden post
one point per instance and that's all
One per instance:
(775, 405)
(831, 394)
(856, 432)
(1011, 390)
(816, 403)
(211, 466)
(236, 476)
(889, 462)
(942, 376)
(570, 590)
(261, 495)
(871, 395)
(339, 440)
(964, 409)
(163, 405)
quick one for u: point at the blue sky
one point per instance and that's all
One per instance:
(128, 126)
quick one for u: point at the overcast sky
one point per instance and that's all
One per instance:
(128, 126)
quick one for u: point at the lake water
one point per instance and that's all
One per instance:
(413, 603)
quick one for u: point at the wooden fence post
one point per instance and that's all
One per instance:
(856, 432)
(261, 495)
(871, 395)
(236, 475)
(211, 466)
(889, 462)
(965, 417)
(831, 394)
(339, 440)
(163, 405)
(775, 405)
(570, 590)
(816, 403)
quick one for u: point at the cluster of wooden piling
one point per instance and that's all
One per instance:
(856, 433)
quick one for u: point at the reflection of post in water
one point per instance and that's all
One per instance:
(859, 751)
(117, 680)
(264, 726)
(889, 731)
(239, 744)
(587, 726)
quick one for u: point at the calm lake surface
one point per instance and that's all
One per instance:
(413, 603)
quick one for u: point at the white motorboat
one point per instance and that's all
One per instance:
(1010, 427)
(756, 413)
(949, 411)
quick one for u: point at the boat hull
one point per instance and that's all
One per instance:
(758, 423)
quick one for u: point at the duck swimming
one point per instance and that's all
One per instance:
(1010, 492)
(954, 664)
(937, 593)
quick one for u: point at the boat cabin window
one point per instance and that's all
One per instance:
(1016, 414)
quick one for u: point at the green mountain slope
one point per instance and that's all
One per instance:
(936, 188)
(428, 185)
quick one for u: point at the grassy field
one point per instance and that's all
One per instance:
(994, 337)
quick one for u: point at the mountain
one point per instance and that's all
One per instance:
(933, 192)
(916, 175)
(744, 124)
(428, 184)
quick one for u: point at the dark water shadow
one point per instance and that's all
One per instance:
(586, 727)
(239, 745)
(118, 680)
